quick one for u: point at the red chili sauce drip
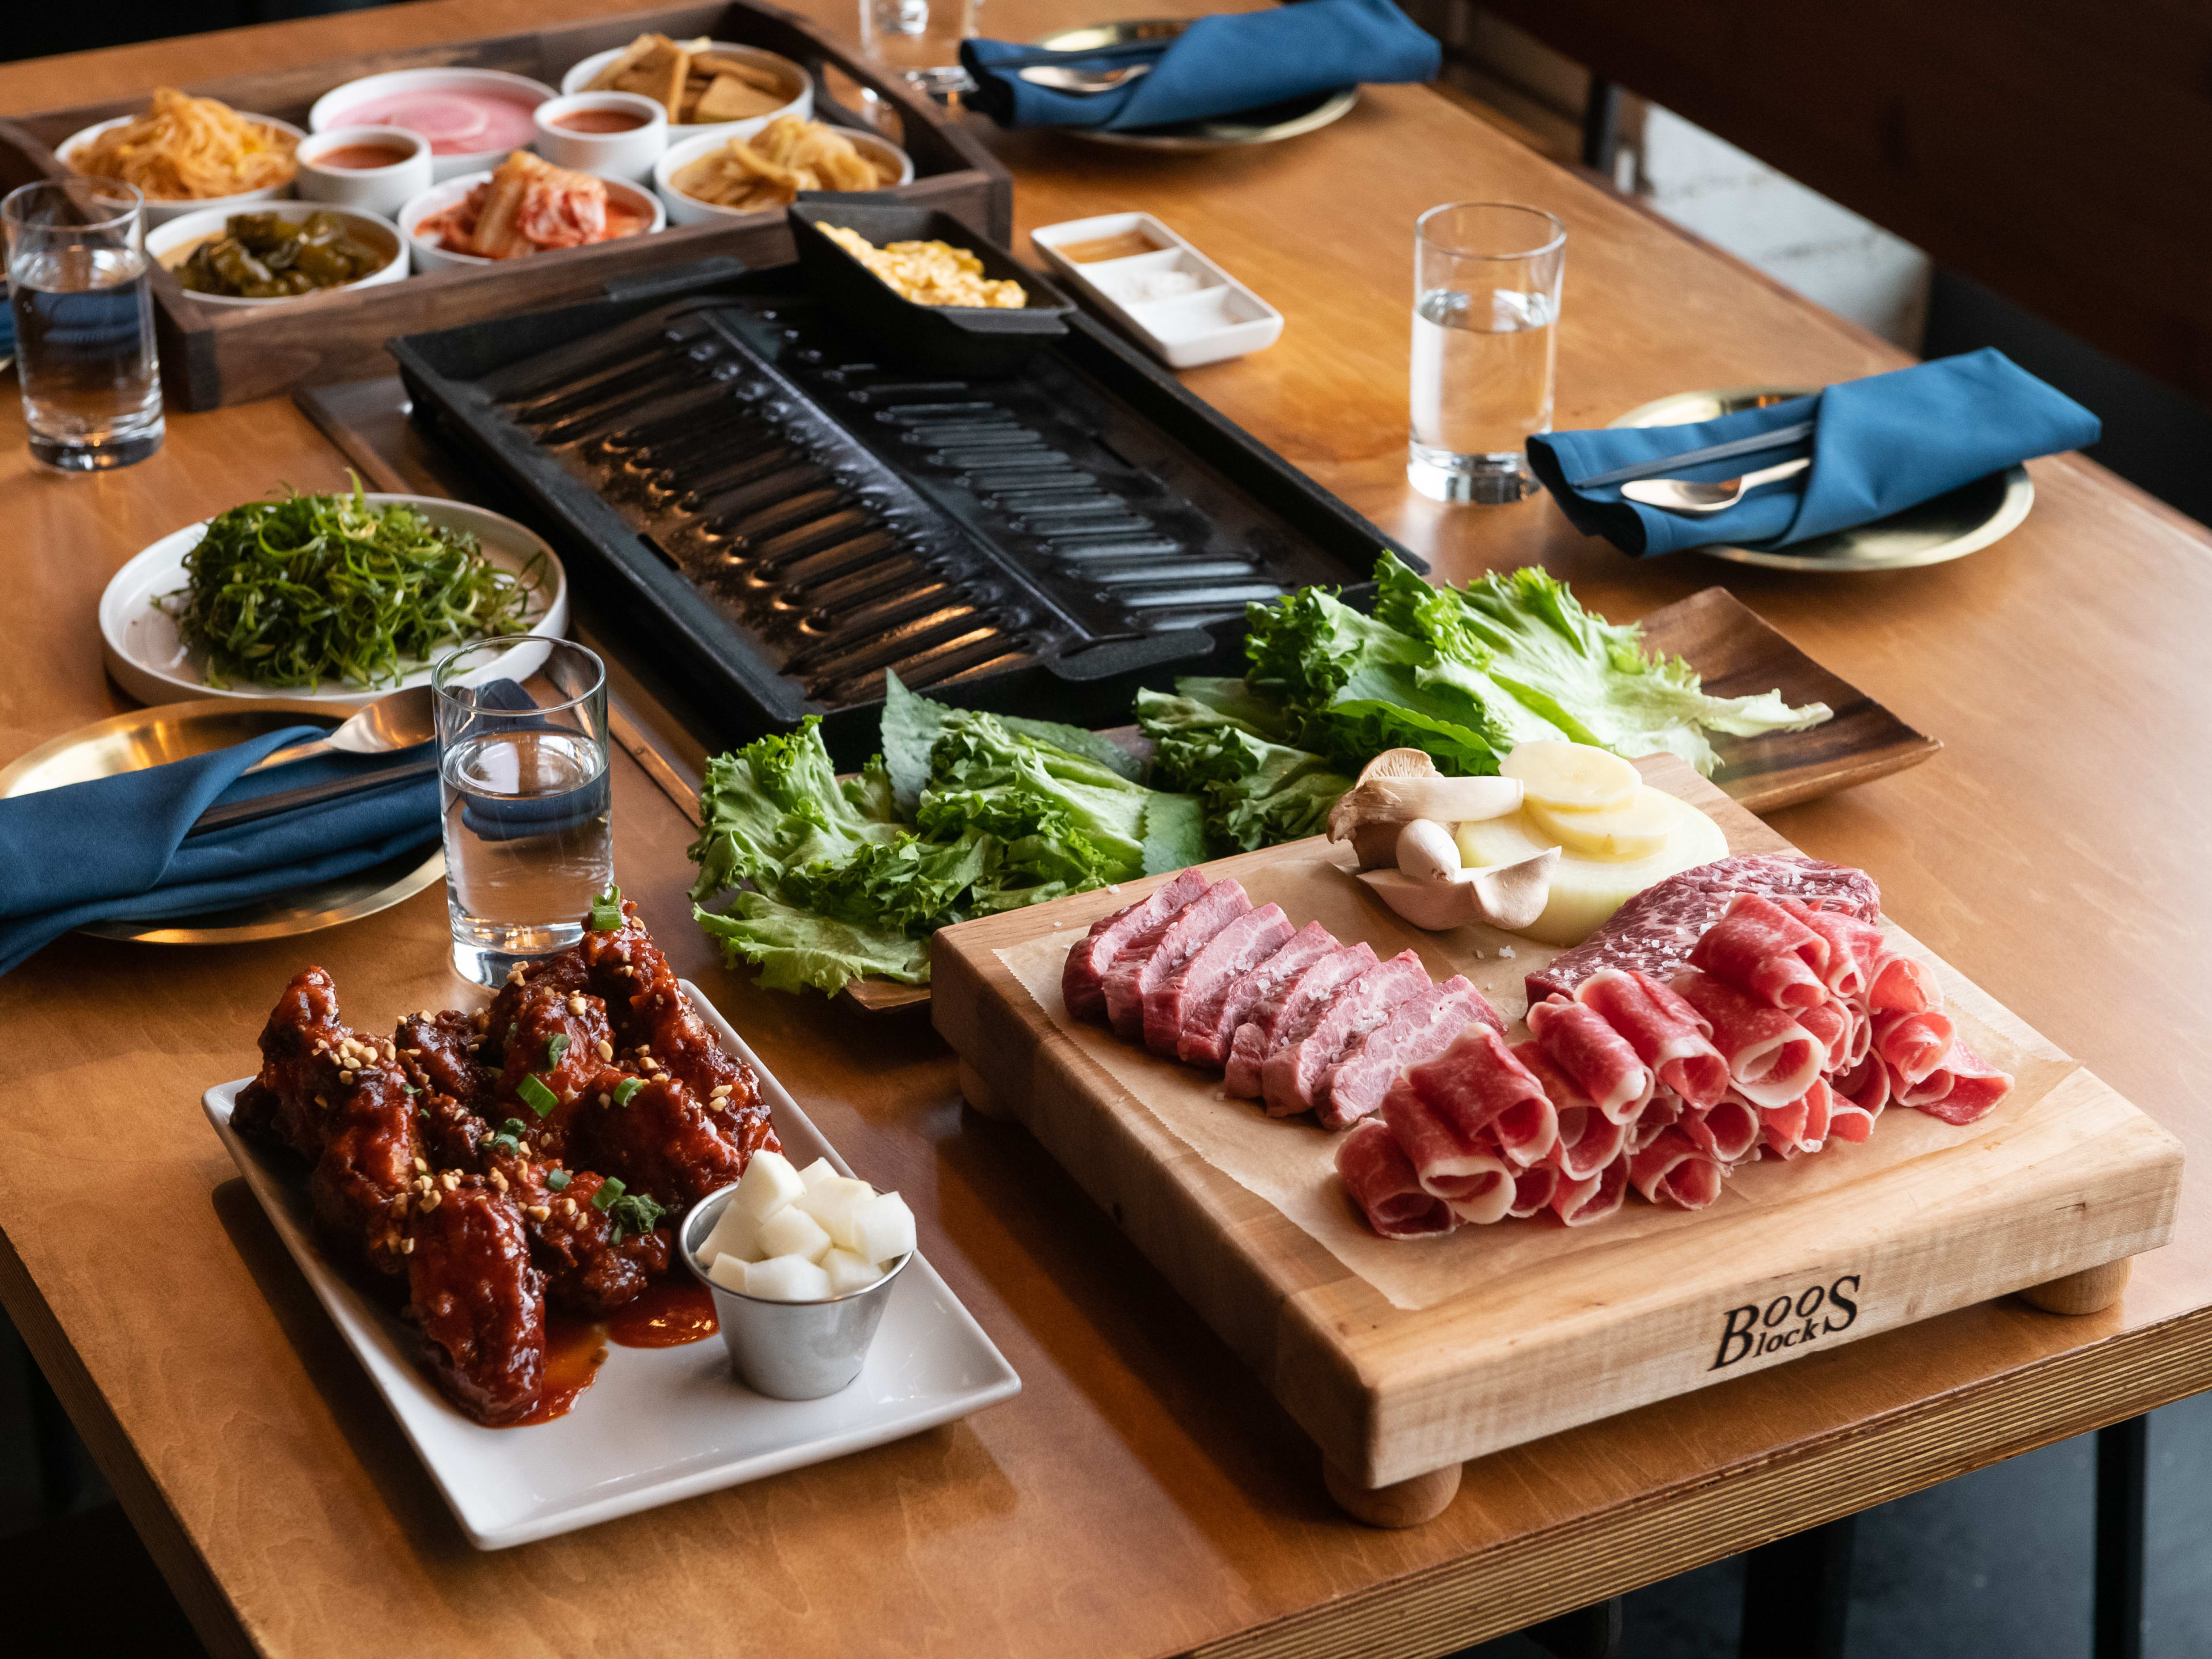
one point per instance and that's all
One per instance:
(575, 1350)
(667, 1315)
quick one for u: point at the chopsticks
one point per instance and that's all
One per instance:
(314, 794)
(1779, 438)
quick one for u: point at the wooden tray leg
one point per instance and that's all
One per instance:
(2091, 1290)
(1404, 1503)
(977, 1094)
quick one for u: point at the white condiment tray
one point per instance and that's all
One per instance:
(1216, 317)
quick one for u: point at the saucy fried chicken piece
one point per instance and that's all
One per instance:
(452, 1135)
(360, 1183)
(288, 1102)
(556, 1045)
(438, 1052)
(615, 964)
(479, 1298)
(660, 1140)
(597, 1247)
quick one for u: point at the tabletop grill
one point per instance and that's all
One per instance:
(798, 518)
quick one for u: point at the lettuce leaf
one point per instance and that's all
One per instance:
(796, 949)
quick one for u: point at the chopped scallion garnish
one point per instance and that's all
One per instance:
(536, 1096)
(606, 910)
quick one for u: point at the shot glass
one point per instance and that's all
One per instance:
(1486, 303)
(529, 811)
(78, 279)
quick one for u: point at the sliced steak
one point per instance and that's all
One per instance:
(1248, 940)
(1290, 1012)
(1292, 1077)
(1211, 1022)
(1145, 963)
(1420, 1028)
(1083, 980)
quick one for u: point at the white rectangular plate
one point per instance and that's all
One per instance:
(657, 1424)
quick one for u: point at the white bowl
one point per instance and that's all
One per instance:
(146, 659)
(170, 244)
(429, 257)
(578, 78)
(358, 104)
(160, 213)
(689, 210)
(629, 154)
(382, 191)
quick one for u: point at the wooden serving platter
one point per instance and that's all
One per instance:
(213, 356)
(1402, 1367)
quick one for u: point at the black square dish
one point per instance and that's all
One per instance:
(974, 340)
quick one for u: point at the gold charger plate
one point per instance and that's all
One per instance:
(1949, 527)
(1292, 118)
(177, 730)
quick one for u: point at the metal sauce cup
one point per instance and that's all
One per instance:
(788, 1350)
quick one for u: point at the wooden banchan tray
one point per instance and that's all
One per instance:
(2049, 1195)
(214, 356)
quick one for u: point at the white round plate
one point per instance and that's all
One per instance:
(578, 79)
(429, 257)
(146, 658)
(172, 244)
(689, 210)
(337, 107)
(160, 213)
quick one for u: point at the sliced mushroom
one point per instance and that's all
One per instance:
(1509, 896)
(1373, 836)
(1401, 785)
(1427, 851)
(1512, 895)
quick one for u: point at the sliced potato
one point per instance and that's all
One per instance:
(1635, 831)
(1585, 891)
(1573, 775)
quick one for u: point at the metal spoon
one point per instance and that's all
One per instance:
(1680, 495)
(400, 720)
(1060, 78)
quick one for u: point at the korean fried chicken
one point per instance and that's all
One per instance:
(535, 1154)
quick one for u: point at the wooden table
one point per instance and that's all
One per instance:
(1143, 1496)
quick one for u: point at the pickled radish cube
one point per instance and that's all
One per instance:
(848, 1273)
(792, 1231)
(882, 1229)
(786, 1278)
(818, 1172)
(729, 1272)
(734, 1233)
(769, 1182)
(831, 1203)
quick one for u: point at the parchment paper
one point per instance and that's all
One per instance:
(1290, 1163)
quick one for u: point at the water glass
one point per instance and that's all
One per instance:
(1486, 302)
(78, 279)
(528, 806)
(920, 38)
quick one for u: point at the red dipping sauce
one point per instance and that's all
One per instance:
(666, 1315)
(598, 120)
(358, 158)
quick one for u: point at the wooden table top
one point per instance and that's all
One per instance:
(1143, 1496)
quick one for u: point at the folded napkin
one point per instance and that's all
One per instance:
(1879, 445)
(115, 847)
(1220, 65)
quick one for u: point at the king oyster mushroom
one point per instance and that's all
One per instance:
(1509, 896)
(1401, 785)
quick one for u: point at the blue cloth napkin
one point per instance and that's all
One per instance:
(1880, 445)
(115, 847)
(1220, 65)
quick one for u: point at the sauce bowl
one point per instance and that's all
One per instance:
(629, 154)
(381, 190)
(443, 97)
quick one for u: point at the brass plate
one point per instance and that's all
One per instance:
(1950, 526)
(1292, 118)
(177, 730)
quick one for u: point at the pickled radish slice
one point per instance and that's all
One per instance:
(1573, 775)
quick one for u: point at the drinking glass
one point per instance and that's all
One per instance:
(920, 38)
(529, 813)
(78, 277)
(1485, 300)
